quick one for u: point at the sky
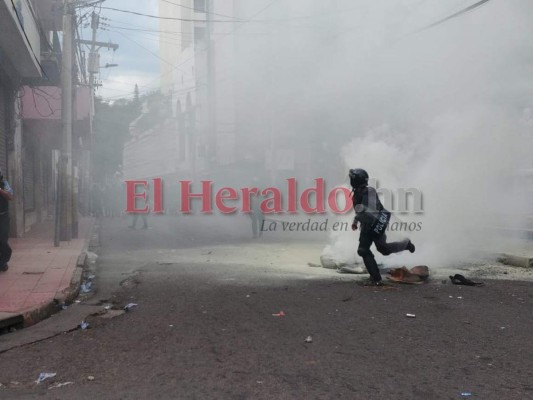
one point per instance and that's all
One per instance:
(138, 55)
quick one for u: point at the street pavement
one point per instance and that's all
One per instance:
(222, 316)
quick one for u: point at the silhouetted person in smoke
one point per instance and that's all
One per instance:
(257, 217)
(374, 219)
(6, 195)
(136, 218)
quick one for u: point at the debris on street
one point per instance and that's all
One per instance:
(130, 306)
(84, 325)
(44, 376)
(86, 287)
(58, 385)
(280, 314)
(90, 378)
(415, 275)
(410, 315)
(459, 279)
(308, 339)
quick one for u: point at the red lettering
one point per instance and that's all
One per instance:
(132, 196)
(187, 196)
(158, 196)
(293, 200)
(271, 205)
(332, 200)
(246, 199)
(318, 191)
(220, 197)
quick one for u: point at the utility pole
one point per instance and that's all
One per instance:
(65, 197)
(93, 68)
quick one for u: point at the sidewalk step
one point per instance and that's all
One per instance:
(8, 320)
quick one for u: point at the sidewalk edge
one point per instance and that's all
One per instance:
(32, 316)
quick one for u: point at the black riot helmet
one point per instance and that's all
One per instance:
(358, 177)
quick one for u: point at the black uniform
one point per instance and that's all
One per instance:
(5, 249)
(374, 219)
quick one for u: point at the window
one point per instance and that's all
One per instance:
(199, 35)
(199, 5)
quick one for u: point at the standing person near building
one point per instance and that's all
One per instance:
(374, 219)
(6, 195)
(257, 217)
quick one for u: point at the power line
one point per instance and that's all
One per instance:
(144, 48)
(168, 18)
(199, 11)
(224, 36)
(455, 15)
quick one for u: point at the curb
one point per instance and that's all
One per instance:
(32, 316)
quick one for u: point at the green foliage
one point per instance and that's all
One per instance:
(111, 131)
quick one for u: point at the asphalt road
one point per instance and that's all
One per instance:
(204, 328)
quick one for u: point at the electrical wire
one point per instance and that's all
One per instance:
(168, 18)
(455, 15)
(200, 11)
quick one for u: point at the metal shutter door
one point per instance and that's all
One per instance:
(3, 131)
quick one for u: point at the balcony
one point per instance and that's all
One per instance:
(20, 41)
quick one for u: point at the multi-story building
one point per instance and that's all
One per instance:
(233, 94)
(30, 106)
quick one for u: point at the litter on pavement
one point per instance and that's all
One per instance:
(44, 376)
(308, 339)
(458, 279)
(86, 287)
(130, 306)
(84, 325)
(280, 314)
(410, 315)
(415, 275)
(58, 385)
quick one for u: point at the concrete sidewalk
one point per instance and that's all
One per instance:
(41, 276)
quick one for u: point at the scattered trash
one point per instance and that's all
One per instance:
(247, 295)
(91, 277)
(78, 301)
(44, 376)
(86, 287)
(64, 306)
(466, 394)
(84, 325)
(410, 315)
(459, 297)
(172, 326)
(259, 382)
(58, 385)
(458, 279)
(415, 275)
(130, 306)
(108, 307)
(280, 314)
(90, 378)
(308, 339)
(92, 257)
